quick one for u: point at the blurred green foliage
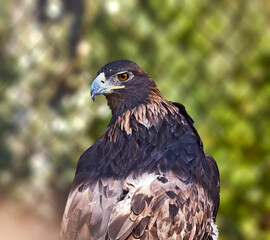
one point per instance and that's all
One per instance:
(212, 56)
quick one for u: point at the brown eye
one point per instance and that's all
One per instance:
(123, 76)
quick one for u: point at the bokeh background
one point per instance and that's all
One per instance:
(212, 56)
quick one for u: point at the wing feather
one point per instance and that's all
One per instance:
(215, 185)
(88, 210)
(154, 207)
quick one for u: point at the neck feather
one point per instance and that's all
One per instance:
(146, 115)
(132, 97)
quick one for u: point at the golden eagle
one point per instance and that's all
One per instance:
(147, 177)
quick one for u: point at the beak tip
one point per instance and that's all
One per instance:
(93, 95)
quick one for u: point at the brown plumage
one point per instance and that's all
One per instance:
(147, 177)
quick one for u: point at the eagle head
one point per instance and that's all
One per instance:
(124, 84)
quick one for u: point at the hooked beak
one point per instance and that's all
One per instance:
(101, 86)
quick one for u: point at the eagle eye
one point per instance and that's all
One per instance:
(122, 76)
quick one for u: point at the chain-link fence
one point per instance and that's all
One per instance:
(212, 56)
